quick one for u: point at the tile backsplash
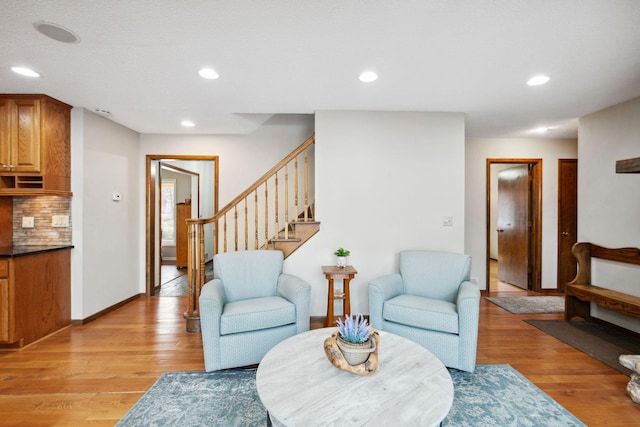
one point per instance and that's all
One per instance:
(42, 209)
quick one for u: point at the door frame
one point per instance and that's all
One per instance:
(152, 251)
(535, 230)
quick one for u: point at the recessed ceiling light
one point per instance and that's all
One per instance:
(56, 32)
(208, 73)
(368, 77)
(538, 80)
(187, 123)
(24, 71)
(541, 129)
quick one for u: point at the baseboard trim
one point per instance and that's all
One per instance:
(80, 322)
(317, 319)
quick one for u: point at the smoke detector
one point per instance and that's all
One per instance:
(56, 32)
(103, 112)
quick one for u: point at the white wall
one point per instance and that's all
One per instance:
(105, 263)
(609, 203)
(183, 183)
(478, 150)
(384, 182)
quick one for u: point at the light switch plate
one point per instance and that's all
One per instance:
(60, 221)
(27, 222)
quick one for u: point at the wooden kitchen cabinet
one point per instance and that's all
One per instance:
(35, 145)
(35, 295)
(6, 303)
(20, 148)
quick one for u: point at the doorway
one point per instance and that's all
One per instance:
(522, 190)
(205, 204)
(179, 200)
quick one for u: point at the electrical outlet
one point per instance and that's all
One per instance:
(60, 221)
(27, 222)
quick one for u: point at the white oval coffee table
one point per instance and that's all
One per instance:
(300, 387)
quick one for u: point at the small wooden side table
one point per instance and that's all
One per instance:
(332, 272)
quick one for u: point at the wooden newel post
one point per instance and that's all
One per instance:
(195, 274)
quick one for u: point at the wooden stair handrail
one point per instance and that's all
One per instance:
(255, 185)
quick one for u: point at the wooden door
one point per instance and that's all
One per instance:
(513, 226)
(567, 220)
(183, 212)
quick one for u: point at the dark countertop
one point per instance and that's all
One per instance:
(14, 251)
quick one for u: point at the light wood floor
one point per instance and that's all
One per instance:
(91, 375)
(174, 281)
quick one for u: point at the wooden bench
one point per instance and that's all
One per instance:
(580, 292)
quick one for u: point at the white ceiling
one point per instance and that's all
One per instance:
(139, 59)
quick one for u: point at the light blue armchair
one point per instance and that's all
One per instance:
(431, 302)
(249, 307)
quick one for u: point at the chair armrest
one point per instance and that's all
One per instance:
(213, 290)
(380, 290)
(294, 289)
(468, 306)
(468, 290)
(212, 300)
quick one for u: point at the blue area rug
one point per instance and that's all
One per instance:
(494, 395)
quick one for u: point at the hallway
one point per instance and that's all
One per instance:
(174, 280)
(496, 285)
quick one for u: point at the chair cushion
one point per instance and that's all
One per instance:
(423, 313)
(255, 314)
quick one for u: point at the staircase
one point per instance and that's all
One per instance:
(295, 235)
(275, 212)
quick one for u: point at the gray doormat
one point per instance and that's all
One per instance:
(598, 341)
(530, 304)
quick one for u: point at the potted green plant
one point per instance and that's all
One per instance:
(354, 339)
(341, 256)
